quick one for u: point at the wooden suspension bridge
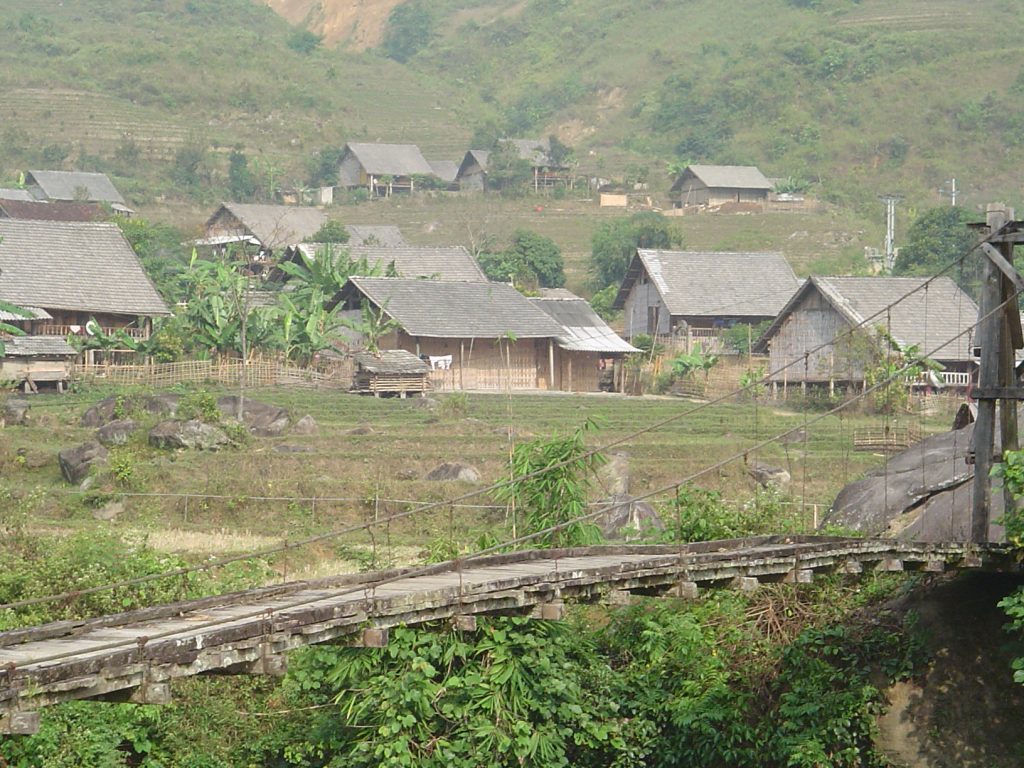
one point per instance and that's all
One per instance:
(133, 656)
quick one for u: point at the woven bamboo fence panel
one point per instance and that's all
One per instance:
(259, 373)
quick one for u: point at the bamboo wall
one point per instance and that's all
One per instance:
(811, 326)
(227, 372)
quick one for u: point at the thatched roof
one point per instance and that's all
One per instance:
(273, 225)
(445, 170)
(73, 185)
(712, 284)
(455, 310)
(583, 330)
(724, 176)
(391, 361)
(33, 313)
(390, 159)
(81, 266)
(938, 321)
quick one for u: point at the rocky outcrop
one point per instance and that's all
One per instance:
(453, 470)
(77, 462)
(923, 493)
(306, 426)
(188, 435)
(15, 412)
(769, 477)
(119, 407)
(261, 419)
(626, 517)
(117, 432)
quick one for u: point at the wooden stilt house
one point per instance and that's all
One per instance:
(389, 372)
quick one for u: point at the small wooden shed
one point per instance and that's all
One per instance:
(31, 360)
(389, 372)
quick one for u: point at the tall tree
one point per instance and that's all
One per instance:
(615, 241)
(936, 239)
(531, 261)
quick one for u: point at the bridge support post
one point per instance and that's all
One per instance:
(618, 597)
(19, 724)
(548, 611)
(464, 623)
(372, 637)
(799, 576)
(745, 583)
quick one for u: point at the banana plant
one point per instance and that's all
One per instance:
(7, 328)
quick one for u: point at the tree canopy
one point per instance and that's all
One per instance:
(531, 261)
(934, 241)
(615, 241)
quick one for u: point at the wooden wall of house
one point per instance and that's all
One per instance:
(644, 311)
(577, 371)
(720, 196)
(482, 363)
(350, 171)
(473, 180)
(38, 369)
(62, 318)
(812, 324)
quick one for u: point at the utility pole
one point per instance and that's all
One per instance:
(999, 335)
(890, 228)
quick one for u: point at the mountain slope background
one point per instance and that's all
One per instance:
(851, 99)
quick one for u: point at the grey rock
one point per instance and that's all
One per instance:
(15, 412)
(427, 403)
(117, 432)
(767, 476)
(453, 470)
(191, 435)
(613, 475)
(362, 429)
(792, 438)
(262, 419)
(291, 448)
(306, 426)
(163, 404)
(923, 493)
(627, 517)
(109, 511)
(76, 463)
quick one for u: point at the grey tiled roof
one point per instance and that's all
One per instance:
(64, 185)
(38, 346)
(582, 329)
(391, 159)
(34, 313)
(730, 176)
(83, 266)
(445, 170)
(435, 262)
(391, 361)
(439, 309)
(61, 210)
(535, 151)
(277, 225)
(712, 284)
(924, 318)
(386, 235)
(6, 193)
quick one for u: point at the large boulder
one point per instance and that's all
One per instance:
(625, 517)
(613, 476)
(262, 419)
(117, 432)
(118, 407)
(76, 463)
(306, 426)
(453, 470)
(190, 435)
(15, 412)
(923, 493)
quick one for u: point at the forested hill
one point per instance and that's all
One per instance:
(858, 98)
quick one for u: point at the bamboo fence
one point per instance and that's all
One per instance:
(258, 373)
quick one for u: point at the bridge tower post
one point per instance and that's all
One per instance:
(999, 335)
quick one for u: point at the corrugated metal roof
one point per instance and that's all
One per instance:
(391, 361)
(453, 263)
(711, 284)
(583, 329)
(59, 210)
(391, 159)
(729, 176)
(68, 185)
(38, 346)
(83, 266)
(276, 225)
(457, 310)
